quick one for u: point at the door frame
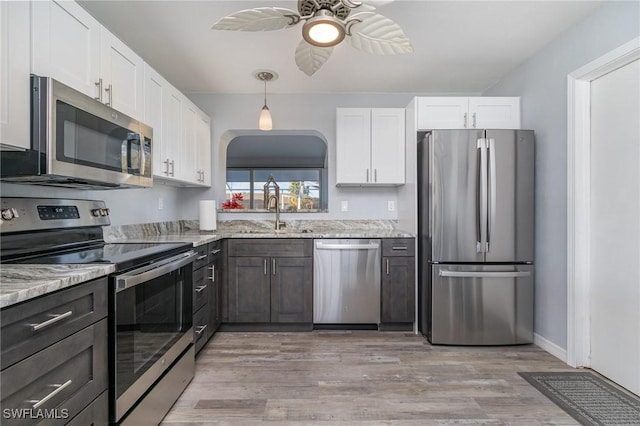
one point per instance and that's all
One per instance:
(579, 199)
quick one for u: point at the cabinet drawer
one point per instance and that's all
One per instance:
(200, 288)
(202, 256)
(66, 376)
(200, 328)
(292, 247)
(96, 414)
(35, 324)
(398, 247)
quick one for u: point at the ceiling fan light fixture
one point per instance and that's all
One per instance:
(323, 29)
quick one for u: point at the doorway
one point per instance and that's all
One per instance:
(604, 216)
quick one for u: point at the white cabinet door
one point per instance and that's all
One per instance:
(172, 131)
(65, 44)
(122, 73)
(188, 163)
(443, 113)
(387, 145)
(353, 146)
(155, 88)
(494, 112)
(203, 138)
(14, 74)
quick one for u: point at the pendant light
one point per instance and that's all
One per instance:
(264, 120)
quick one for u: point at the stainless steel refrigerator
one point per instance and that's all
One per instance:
(476, 236)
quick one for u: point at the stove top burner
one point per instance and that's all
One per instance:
(123, 255)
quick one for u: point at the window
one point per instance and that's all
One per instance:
(300, 189)
(296, 161)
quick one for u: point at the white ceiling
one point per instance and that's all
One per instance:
(459, 46)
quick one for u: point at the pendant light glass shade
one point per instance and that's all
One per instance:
(264, 121)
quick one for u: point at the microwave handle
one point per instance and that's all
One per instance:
(126, 151)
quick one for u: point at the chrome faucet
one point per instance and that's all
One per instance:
(273, 197)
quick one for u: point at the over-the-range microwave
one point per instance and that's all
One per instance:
(79, 142)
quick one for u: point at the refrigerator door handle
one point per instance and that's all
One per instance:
(470, 274)
(481, 198)
(491, 190)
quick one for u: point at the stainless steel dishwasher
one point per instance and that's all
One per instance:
(346, 281)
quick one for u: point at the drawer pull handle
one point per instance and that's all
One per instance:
(57, 390)
(200, 329)
(204, 256)
(54, 319)
(399, 248)
(200, 288)
(213, 273)
(216, 251)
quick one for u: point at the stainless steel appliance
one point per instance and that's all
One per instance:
(346, 281)
(151, 356)
(475, 247)
(77, 141)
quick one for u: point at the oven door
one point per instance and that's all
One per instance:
(151, 326)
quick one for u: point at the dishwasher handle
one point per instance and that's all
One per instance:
(339, 246)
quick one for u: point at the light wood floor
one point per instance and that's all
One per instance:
(363, 377)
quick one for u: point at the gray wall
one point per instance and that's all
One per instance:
(542, 84)
(303, 112)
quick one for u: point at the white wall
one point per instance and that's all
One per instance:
(542, 84)
(303, 112)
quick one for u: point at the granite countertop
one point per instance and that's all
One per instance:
(23, 282)
(26, 281)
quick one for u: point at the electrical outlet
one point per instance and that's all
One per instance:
(391, 205)
(160, 203)
(344, 206)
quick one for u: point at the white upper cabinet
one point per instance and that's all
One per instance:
(370, 146)
(155, 88)
(69, 45)
(468, 113)
(122, 73)
(65, 44)
(203, 143)
(188, 161)
(14, 74)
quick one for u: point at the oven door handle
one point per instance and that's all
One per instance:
(155, 270)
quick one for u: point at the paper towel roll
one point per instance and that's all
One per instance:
(208, 215)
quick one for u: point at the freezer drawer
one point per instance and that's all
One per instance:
(482, 304)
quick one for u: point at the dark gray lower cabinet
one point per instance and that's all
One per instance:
(270, 281)
(208, 274)
(398, 281)
(66, 380)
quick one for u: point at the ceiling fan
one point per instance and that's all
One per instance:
(326, 23)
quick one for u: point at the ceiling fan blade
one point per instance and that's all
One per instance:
(378, 34)
(258, 19)
(310, 58)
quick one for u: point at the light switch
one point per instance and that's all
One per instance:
(344, 206)
(391, 205)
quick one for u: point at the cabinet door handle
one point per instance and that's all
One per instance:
(200, 329)
(166, 171)
(367, 175)
(399, 248)
(57, 390)
(265, 266)
(212, 268)
(99, 86)
(110, 90)
(216, 251)
(387, 262)
(200, 288)
(474, 120)
(173, 163)
(273, 266)
(204, 256)
(54, 319)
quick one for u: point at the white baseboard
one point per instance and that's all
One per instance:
(550, 347)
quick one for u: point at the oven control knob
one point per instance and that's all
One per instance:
(105, 212)
(7, 214)
(95, 212)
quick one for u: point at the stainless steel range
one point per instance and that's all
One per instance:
(151, 357)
